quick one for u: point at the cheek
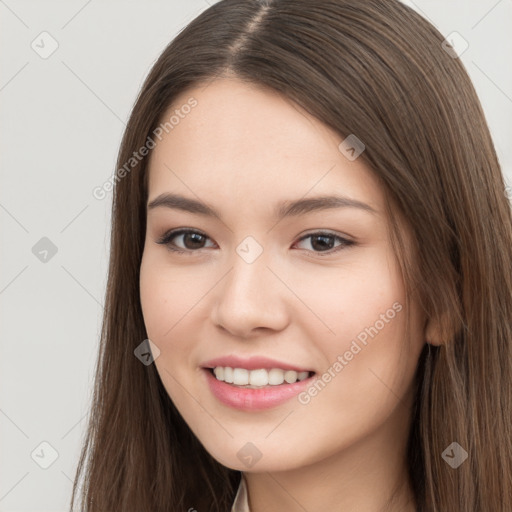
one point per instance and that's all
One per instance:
(164, 307)
(362, 300)
(167, 294)
(174, 312)
(364, 309)
(164, 296)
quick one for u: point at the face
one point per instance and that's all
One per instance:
(315, 289)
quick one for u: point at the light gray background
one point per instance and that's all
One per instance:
(62, 122)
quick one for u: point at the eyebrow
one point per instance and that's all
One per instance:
(283, 209)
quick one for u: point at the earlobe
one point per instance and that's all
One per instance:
(438, 331)
(432, 336)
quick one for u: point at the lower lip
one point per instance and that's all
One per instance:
(247, 399)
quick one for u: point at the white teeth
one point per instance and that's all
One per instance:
(257, 378)
(275, 377)
(240, 376)
(290, 376)
(228, 375)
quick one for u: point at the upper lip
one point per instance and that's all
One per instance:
(252, 363)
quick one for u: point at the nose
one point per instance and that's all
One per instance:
(250, 298)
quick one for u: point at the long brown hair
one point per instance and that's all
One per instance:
(378, 70)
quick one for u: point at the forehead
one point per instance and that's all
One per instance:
(244, 143)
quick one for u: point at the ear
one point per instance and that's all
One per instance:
(439, 331)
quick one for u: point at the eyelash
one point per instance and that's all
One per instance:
(167, 237)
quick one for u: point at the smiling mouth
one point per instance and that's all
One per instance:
(257, 379)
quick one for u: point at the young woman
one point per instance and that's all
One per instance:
(309, 303)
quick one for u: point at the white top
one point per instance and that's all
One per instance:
(241, 503)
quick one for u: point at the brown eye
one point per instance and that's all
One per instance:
(324, 242)
(191, 240)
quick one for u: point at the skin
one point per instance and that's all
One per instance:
(242, 150)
